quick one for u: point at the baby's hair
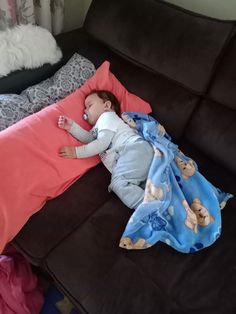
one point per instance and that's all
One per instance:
(106, 95)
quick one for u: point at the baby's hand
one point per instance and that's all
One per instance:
(67, 152)
(64, 123)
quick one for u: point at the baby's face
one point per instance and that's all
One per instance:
(94, 107)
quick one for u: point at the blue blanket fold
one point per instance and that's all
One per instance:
(180, 207)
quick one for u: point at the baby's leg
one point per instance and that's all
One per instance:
(131, 171)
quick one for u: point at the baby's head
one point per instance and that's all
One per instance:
(98, 102)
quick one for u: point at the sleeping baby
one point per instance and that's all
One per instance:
(125, 153)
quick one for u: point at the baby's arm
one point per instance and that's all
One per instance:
(81, 134)
(75, 129)
(97, 146)
(93, 148)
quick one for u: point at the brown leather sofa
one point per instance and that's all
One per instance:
(184, 64)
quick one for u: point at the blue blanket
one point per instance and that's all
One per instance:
(180, 207)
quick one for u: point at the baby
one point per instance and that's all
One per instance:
(125, 154)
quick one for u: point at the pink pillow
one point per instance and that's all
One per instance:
(31, 170)
(104, 79)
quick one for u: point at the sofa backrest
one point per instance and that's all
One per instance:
(188, 64)
(213, 124)
(182, 46)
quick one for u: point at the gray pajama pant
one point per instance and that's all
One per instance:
(130, 172)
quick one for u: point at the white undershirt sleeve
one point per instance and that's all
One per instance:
(81, 134)
(96, 146)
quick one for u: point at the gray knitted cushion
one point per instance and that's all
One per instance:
(12, 109)
(65, 81)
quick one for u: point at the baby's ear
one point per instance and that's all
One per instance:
(108, 104)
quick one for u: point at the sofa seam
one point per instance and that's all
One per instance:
(74, 229)
(219, 59)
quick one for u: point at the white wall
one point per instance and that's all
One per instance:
(75, 12)
(222, 9)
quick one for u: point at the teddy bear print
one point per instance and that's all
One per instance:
(180, 152)
(222, 204)
(157, 152)
(204, 218)
(152, 192)
(191, 218)
(131, 123)
(197, 214)
(127, 243)
(187, 168)
(161, 130)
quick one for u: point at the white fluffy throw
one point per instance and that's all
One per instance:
(27, 46)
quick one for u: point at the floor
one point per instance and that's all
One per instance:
(55, 302)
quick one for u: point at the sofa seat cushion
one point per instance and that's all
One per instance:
(185, 280)
(189, 278)
(60, 216)
(100, 276)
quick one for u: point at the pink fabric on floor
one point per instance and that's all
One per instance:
(19, 293)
